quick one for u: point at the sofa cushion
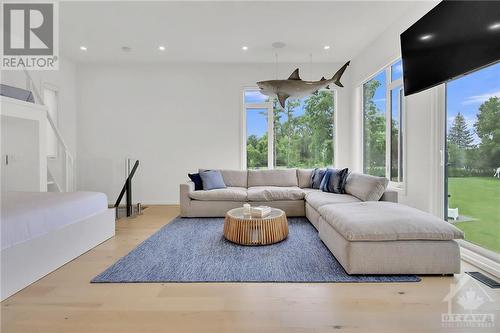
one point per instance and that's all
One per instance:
(307, 190)
(212, 179)
(334, 181)
(386, 221)
(274, 193)
(304, 177)
(365, 187)
(222, 194)
(196, 179)
(278, 177)
(317, 177)
(318, 198)
(234, 178)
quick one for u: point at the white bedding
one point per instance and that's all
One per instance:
(27, 215)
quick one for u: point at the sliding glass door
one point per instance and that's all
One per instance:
(472, 190)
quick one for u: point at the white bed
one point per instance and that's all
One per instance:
(41, 231)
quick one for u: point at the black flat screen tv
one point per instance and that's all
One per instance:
(454, 38)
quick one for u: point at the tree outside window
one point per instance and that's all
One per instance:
(302, 137)
(374, 123)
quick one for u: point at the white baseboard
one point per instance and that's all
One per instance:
(161, 203)
(481, 262)
(145, 203)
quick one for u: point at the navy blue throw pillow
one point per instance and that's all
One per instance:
(196, 179)
(317, 177)
(334, 181)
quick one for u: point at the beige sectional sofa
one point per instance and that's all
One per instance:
(366, 229)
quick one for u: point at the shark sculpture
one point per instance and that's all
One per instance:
(295, 87)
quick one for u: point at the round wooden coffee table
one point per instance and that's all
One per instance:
(245, 230)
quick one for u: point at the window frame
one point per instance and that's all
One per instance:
(270, 127)
(389, 86)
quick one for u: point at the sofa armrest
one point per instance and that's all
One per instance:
(390, 195)
(184, 199)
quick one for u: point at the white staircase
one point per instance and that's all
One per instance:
(60, 168)
(52, 185)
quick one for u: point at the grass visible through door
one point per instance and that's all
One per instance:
(477, 198)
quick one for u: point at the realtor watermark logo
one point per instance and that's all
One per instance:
(30, 38)
(470, 305)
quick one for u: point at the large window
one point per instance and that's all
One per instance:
(257, 137)
(383, 124)
(300, 135)
(473, 161)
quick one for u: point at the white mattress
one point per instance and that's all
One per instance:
(28, 215)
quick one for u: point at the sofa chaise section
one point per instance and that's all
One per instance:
(388, 238)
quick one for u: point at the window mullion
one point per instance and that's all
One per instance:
(270, 137)
(388, 127)
(400, 133)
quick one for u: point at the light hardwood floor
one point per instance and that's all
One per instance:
(65, 301)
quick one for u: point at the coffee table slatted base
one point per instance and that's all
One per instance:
(256, 231)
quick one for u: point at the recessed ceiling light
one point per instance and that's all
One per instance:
(244, 48)
(83, 48)
(161, 48)
(494, 26)
(326, 47)
(426, 37)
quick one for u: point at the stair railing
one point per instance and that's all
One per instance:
(127, 188)
(69, 163)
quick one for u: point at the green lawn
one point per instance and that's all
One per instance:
(479, 198)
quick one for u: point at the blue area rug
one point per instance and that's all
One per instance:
(195, 250)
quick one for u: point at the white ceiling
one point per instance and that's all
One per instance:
(216, 31)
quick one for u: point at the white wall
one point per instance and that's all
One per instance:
(422, 151)
(174, 118)
(19, 140)
(65, 81)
